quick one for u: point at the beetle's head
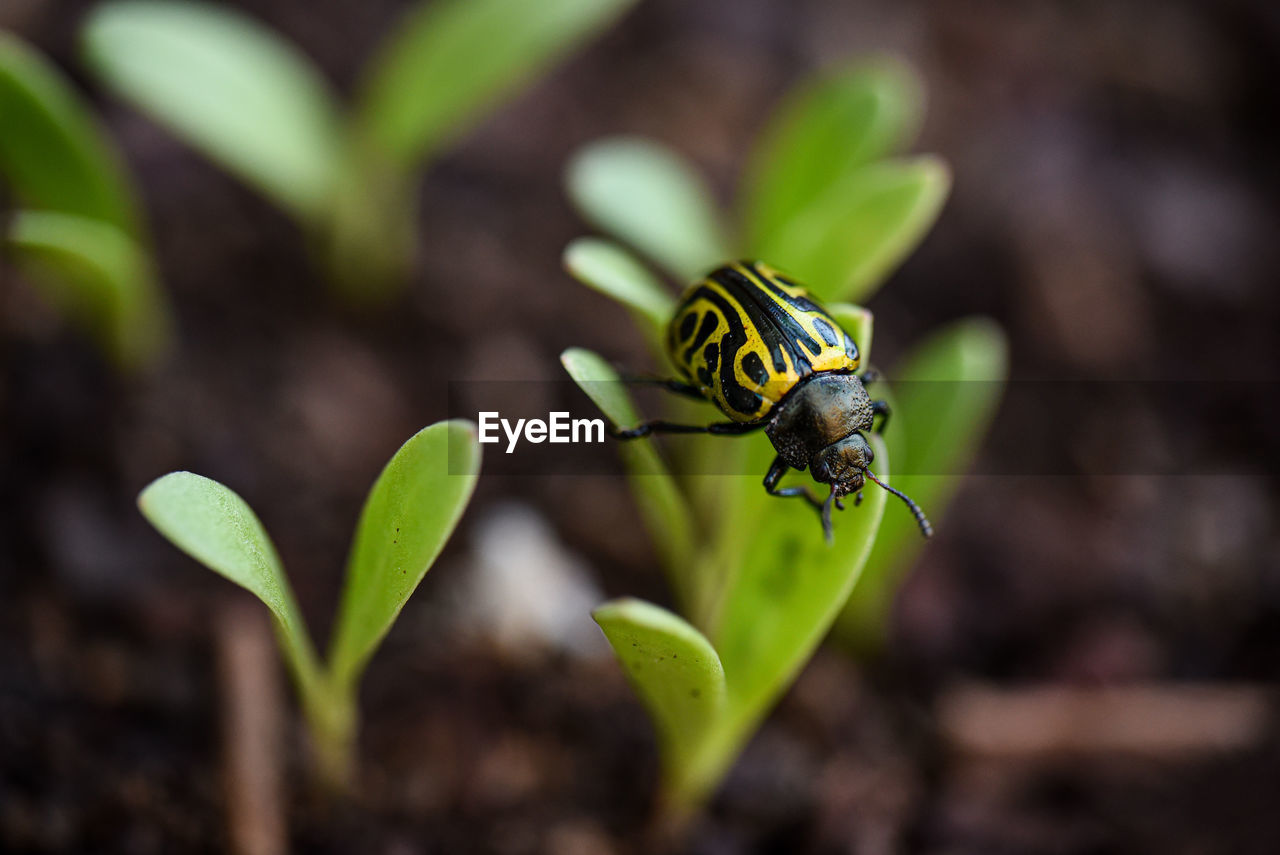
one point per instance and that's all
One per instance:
(843, 464)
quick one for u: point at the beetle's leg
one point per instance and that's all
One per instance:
(774, 475)
(677, 386)
(881, 409)
(825, 514)
(871, 375)
(719, 428)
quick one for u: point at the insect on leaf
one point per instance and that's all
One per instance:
(410, 513)
(96, 271)
(216, 527)
(677, 675)
(846, 244)
(451, 60)
(824, 132)
(649, 197)
(230, 87)
(53, 155)
(739, 498)
(946, 394)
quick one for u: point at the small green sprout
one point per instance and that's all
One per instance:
(827, 199)
(76, 231)
(257, 106)
(410, 513)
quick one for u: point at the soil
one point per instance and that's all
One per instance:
(1114, 209)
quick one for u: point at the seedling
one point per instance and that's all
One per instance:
(410, 513)
(255, 104)
(828, 200)
(76, 231)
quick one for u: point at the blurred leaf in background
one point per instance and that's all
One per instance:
(77, 233)
(821, 135)
(96, 273)
(229, 87)
(651, 198)
(850, 241)
(449, 62)
(828, 198)
(256, 105)
(611, 270)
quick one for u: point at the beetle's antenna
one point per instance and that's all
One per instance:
(921, 520)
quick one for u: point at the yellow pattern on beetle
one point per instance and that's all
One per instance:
(746, 336)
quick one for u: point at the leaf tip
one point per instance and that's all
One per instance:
(936, 173)
(571, 355)
(462, 443)
(583, 365)
(571, 257)
(466, 426)
(985, 347)
(578, 256)
(594, 168)
(987, 331)
(147, 495)
(612, 609)
(900, 81)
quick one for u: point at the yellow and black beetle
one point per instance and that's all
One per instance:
(761, 349)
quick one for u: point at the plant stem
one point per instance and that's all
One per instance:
(368, 241)
(691, 779)
(332, 718)
(328, 704)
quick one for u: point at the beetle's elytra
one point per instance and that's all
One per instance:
(762, 350)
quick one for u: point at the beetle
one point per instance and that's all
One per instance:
(755, 344)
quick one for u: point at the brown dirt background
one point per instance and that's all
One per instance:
(1114, 208)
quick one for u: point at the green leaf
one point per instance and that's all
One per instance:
(410, 513)
(791, 585)
(946, 397)
(441, 70)
(844, 245)
(649, 197)
(823, 132)
(216, 527)
(230, 87)
(95, 271)
(451, 60)
(371, 233)
(614, 272)
(53, 154)
(787, 588)
(662, 506)
(677, 675)
(602, 384)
